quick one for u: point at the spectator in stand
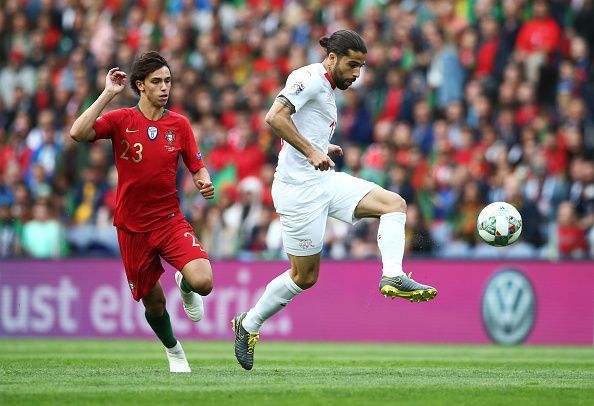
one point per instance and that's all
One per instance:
(581, 195)
(423, 126)
(258, 238)
(445, 74)
(507, 129)
(463, 221)
(418, 238)
(248, 158)
(352, 160)
(15, 150)
(219, 235)
(584, 15)
(571, 238)
(488, 47)
(43, 236)
(222, 152)
(539, 40)
(532, 224)
(467, 47)
(46, 145)
(356, 124)
(479, 108)
(399, 183)
(245, 214)
(10, 231)
(527, 109)
(509, 32)
(393, 97)
(88, 198)
(16, 75)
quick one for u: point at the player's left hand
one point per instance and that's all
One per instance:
(206, 189)
(334, 149)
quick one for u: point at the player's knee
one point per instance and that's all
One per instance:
(202, 285)
(206, 288)
(306, 281)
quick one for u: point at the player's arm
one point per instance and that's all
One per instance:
(335, 149)
(203, 183)
(82, 129)
(279, 118)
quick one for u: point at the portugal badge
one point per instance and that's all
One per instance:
(170, 136)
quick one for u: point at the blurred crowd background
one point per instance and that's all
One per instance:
(462, 103)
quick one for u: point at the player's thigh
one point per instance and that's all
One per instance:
(348, 192)
(379, 202)
(178, 245)
(141, 262)
(302, 237)
(303, 211)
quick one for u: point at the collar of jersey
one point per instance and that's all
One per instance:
(327, 76)
(165, 111)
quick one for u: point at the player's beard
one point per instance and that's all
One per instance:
(339, 81)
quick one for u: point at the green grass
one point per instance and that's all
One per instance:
(135, 372)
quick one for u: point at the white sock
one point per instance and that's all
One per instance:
(175, 349)
(279, 292)
(390, 240)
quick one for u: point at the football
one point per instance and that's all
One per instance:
(499, 224)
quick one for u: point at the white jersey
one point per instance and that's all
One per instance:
(311, 91)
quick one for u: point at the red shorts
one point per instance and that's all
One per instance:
(175, 243)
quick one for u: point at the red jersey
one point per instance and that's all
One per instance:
(146, 153)
(539, 34)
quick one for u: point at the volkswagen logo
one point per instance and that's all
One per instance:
(509, 307)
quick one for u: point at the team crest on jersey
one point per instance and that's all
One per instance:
(297, 88)
(170, 136)
(152, 133)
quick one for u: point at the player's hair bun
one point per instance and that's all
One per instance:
(324, 42)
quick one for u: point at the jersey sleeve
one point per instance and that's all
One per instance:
(105, 126)
(301, 87)
(190, 153)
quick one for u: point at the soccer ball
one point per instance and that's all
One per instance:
(499, 224)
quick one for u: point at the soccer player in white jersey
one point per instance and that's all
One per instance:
(306, 190)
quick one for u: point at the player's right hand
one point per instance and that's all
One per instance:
(206, 188)
(115, 81)
(320, 161)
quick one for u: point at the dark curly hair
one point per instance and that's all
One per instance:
(144, 65)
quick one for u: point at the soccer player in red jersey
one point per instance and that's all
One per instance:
(147, 140)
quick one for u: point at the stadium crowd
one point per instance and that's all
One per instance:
(462, 103)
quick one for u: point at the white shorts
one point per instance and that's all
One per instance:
(304, 209)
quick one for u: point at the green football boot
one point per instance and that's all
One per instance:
(244, 342)
(405, 287)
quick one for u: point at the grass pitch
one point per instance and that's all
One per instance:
(61, 372)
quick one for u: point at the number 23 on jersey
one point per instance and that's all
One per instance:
(131, 152)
